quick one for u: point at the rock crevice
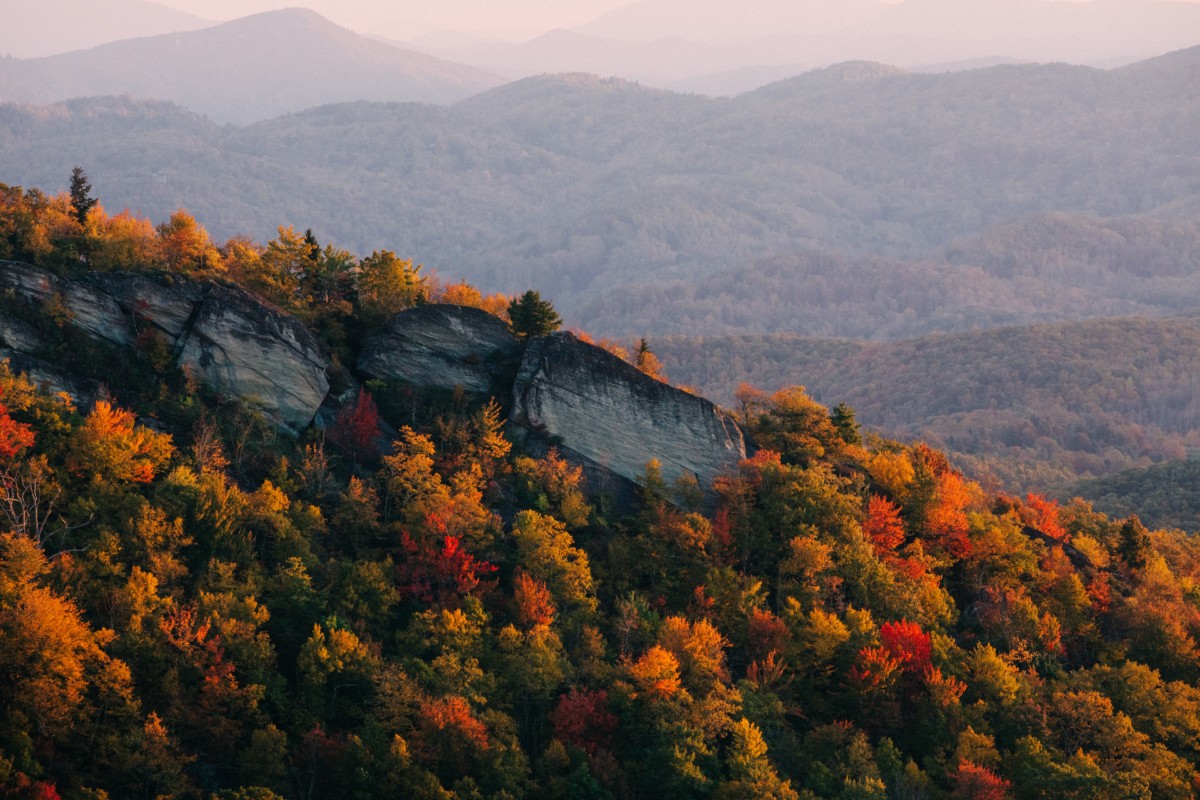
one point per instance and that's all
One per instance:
(442, 347)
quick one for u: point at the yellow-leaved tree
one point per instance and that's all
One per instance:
(110, 446)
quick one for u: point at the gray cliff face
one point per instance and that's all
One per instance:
(607, 412)
(231, 341)
(242, 347)
(441, 346)
(92, 310)
(167, 306)
(601, 412)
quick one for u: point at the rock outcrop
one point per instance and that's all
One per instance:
(604, 412)
(230, 340)
(599, 411)
(442, 347)
(240, 346)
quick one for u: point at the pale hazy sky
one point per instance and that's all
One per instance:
(407, 19)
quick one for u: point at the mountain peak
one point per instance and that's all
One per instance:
(289, 14)
(248, 69)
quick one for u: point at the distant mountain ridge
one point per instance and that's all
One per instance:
(638, 209)
(35, 28)
(253, 68)
(661, 63)
(723, 48)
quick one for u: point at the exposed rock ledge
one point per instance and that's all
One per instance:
(232, 341)
(442, 347)
(600, 411)
(608, 413)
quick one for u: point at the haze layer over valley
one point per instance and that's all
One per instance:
(994, 196)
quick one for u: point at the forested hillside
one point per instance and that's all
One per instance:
(602, 192)
(1167, 495)
(1041, 268)
(1032, 408)
(400, 602)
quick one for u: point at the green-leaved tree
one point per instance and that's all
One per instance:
(82, 201)
(529, 315)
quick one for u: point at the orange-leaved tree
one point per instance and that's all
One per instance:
(109, 446)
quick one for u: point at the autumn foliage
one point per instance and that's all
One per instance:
(883, 526)
(946, 519)
(535, 605)
(468, 616)
(1043, 515)
(356, 429)
(582, 719)
(439, 570)
(14, 436)
(874, 669)
(907, 644)
(973, 782)
(111, 446)
(449, 735)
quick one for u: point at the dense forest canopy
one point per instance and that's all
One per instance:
(1036, 407)
(195, 605)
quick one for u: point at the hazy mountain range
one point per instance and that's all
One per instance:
(250, 69)
(713, 47)
(646, 211)
(704, 45)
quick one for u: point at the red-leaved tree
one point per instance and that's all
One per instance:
(439, 570)
(449, 735)
(874, 670)
(14, 436)
(533, 601)
(883, 526)
(1043, 515)
(766, 633)
(355, 429)
(905, 642)
(582, 719)
(973, 782)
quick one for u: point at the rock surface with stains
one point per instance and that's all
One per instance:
(442, 347)
(231, 341)
(600, 409)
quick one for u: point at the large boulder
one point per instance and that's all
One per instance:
(600, 410)
(234, 343)
(242, 347)
(441, 347)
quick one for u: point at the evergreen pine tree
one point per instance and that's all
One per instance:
(530, 315)
(847, 426)
(1133, 543)
(82, 201)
